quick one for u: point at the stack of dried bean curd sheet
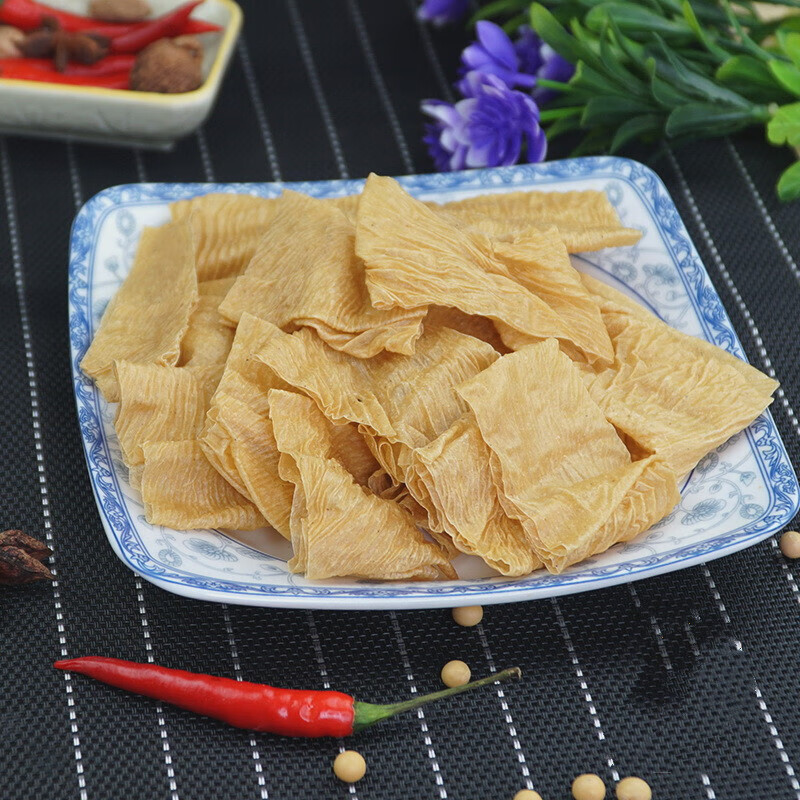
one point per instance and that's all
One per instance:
(388, 382)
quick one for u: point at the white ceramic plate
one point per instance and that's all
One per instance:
(115, 116)
(737, 495)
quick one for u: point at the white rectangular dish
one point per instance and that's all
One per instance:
(117, 116)
(736, 496)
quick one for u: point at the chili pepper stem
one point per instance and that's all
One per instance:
(367, 714)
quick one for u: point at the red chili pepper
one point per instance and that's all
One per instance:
(171, 24)
(287, 712)
(27, 15)
(197, 26)
(110, 65)
(22, 69)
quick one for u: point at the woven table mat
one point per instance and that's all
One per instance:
(689, 680)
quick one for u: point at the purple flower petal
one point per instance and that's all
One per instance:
(495, 42)
(441, 12)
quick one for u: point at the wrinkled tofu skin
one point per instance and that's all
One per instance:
(415, 257)
(454, 468)
(585, 220)
(340, 528)
(539, 453)
(157, 404)
(181, 490)
(146, 319)
(237, 437)
(672, 394)
(305, 272)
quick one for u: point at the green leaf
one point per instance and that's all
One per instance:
(664, 93)
(787, 75)
(593, 82)
(692, 82)
(635, 128)
(705, 39)
(612, 110)
(550, 114)
(554, 34)
(636, 21)
(784, 127)
(563, 125)
(789, 183)
(790, 43)
(707, 119)
(752, 79)
(498, 8)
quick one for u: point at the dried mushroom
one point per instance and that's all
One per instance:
(169, 66)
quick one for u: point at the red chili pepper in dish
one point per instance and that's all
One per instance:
(21, 69)
(145, 33)
(287, 712)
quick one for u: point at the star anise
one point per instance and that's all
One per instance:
(21, 559)
(52, 42)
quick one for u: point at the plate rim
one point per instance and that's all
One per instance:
(765, 439)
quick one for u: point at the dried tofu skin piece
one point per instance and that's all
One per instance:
(305, 273)
(455, 469)
(340, 384)
(218, 287)
(673, 394)
(227, 229)
(382, 484)
(414, 256)
(340, 528)
(568, 524)
(402, 401)
(550, 432)
(585, 220)
(480, 327)
(148, 316)
(541, 264)
(157, 404)
(181, 490)
(237, 438)
(207, 339)
(605, 295)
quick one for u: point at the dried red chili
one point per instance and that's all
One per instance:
(145, 33)
(43, 71)
(256, 706)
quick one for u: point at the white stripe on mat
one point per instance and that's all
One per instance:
(710, 794)
(430, 52)
(654, 627)
(584, 685)
(205, 155)
(237, 670)
(316, 85)
(323, 671)
(380, 85)
(44, 493)
(784, 250)
(723, 270)
(512, 731)
(423, 724)
(258, 107)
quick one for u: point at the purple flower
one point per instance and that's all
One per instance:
(493, 54)
(487, 129)
(440, 12)
(553, 68)
(517, 64)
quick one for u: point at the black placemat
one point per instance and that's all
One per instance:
(689, 680)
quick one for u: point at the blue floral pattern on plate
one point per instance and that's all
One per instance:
(737, 495)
